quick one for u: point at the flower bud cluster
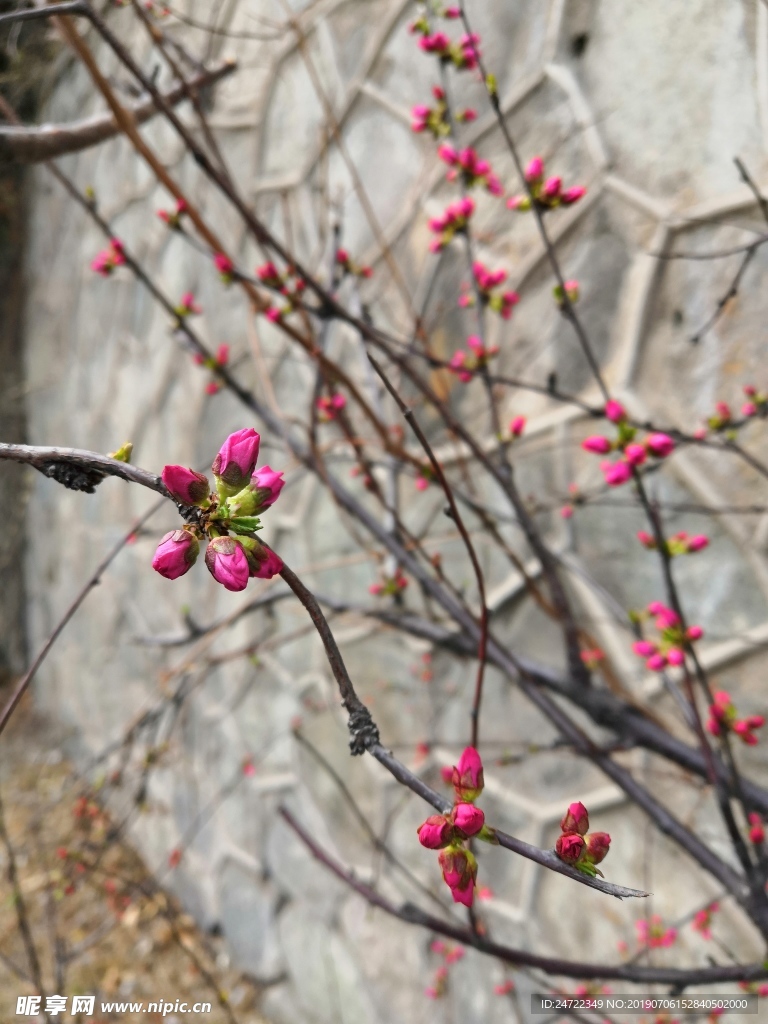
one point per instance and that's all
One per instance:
(487, 281)
(449, 833)
(569, 290)
(756, 404)
(173, 219)
(450, 955)
(214, 364)
(228, 518)
(579, 847)
(109, 259)
(723, 718)
(188, 306)
(680, 543)
(452, 221)
(633, 452)
(473, 170)
(225, 267)
(466, 364)
(354, 269)
(702, 920)
(432, 119)
(463, 53)
(592, 657)
(754, 987)
(329, 406)
(390, 586)
(653, 933)
(669, 649)
(289, 285)
(548, 193)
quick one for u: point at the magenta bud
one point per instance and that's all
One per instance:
(237, 459)
(468, 819)
(436, 832)
(635, 454)
(597, 444)
(468, 779)
(176, 554)
(675, 656)
(576, 819)
(617, 473)
(267, 485)
(459, 869)
(656, 662)
(698, 543)
(570, 847)
(186, 486)
(534, 172)
(551, 187)
(615, 411)
(263, 563)
(572, 195)
(227, 563)
(660, 445)
(695, 633)
(597, 846)
(644, 648)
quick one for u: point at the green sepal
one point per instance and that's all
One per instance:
(487, 835)
(245, 524)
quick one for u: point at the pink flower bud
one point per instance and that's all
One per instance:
(757, 835)
(534, 172)
(226, 562)
(713, 727)
(644, 648)
(572, 195)
(615, 411)
(635, 454)
(695, 633)
(576, 819)
(748, 409)
(224, 265)
(660, 445)
(263, 563)
(176, 554)
(756, 721)
(436, 832)
(468, 819)
(697, 543)
(459, 869)
(267, 484)
(570, 847)
(646, 539)
(597, 444)
(237, 458)
(551, 187)
(185, 485)
(597, 846)
(468, 778)
(675, 656)
(517, 426)
(616, 473)
(656, 662)
(447, 154)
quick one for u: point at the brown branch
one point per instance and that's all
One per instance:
(27, 145)
(567, 968)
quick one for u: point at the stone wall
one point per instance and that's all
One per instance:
(645, 103)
